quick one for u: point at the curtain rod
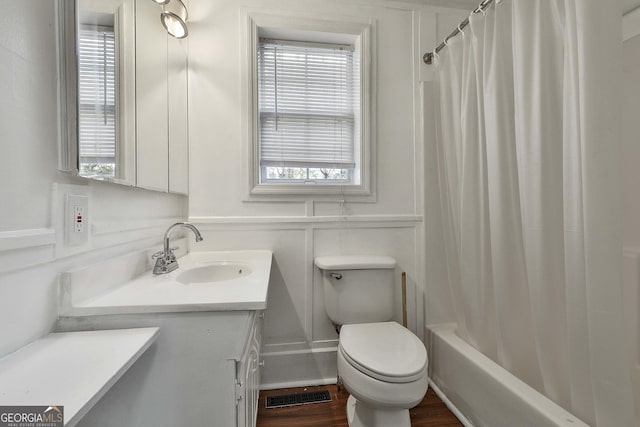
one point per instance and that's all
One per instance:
(428, 57)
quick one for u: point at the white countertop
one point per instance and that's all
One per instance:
(71, 369)
(163, 293)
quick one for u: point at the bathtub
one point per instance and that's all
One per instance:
(483, 394)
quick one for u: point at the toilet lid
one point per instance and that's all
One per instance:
(386, 351)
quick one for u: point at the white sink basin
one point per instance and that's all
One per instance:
(215, 272)
(205, 281)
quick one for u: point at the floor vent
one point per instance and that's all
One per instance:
(283, 400)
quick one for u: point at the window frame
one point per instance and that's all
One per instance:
(307, 29)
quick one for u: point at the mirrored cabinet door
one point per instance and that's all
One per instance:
(152, 138)
(106, 94)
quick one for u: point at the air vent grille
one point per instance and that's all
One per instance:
(293, 399)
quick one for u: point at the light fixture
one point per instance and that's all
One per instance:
(174, 18)
(161, 2)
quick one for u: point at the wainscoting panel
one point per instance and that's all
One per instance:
(299, 346)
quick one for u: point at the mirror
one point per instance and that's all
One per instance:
(105, 46)
(125, 84)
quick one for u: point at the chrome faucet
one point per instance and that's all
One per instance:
(166, 260)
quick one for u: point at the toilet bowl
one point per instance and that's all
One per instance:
(382, 364)
(384, 368)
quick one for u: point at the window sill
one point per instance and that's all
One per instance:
(289, 192)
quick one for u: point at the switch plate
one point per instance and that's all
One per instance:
(76, 219)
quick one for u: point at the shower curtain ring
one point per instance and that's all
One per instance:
(460, 29)
(436, 56)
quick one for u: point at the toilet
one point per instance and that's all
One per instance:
(382, 364)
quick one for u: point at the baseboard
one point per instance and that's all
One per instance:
(298, 368)
(301, 383)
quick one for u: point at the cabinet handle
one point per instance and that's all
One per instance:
(261, 363)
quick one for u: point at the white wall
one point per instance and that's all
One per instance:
(123, 218)
(300, 341)
(631, 211)
(631, 143)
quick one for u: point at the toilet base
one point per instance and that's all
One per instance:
(360, 414)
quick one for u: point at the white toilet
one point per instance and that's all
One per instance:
(382, 364)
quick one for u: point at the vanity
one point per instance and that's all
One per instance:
(204, 367)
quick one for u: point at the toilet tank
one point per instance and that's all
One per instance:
(358, 289)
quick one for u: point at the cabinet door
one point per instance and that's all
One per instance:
(248, 376)
(247, 403)
(152, 136)
(178, 132)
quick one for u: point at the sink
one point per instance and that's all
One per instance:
(205, 281)
(214, 272)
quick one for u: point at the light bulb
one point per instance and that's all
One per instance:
(174, 18)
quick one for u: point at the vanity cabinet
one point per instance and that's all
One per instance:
(203, 370)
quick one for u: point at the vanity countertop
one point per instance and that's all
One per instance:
(165, 293)
(71, 369)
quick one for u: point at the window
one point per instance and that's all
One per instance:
(308, 107)
(308, 118)
(97, 101)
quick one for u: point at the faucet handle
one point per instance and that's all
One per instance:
(157, 255)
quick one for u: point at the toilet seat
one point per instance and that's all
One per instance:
(385, 351)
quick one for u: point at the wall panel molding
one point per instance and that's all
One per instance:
(108, 233)
(22, 239)
(306, 353)
(114, 227)
(32, 247)
(299, 368)
(395, 221)
(26, 248)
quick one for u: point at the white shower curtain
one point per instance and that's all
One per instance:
(529, 176)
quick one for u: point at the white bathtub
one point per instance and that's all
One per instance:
(482, 393)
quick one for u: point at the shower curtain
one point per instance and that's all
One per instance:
(529, 182)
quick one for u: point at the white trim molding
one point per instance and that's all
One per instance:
(22, 239)
(299, 368)
(104, 234)
(26, 248)
(285, 21)
(314, 221)
(631, 24)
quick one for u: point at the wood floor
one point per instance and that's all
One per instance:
(430, 413)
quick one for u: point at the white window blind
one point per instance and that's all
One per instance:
(97, 95)
(308, 95)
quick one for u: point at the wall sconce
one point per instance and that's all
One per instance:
(174, 18)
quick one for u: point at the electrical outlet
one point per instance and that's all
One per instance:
(76, 219)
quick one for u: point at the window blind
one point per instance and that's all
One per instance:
(307, 103)
(97, 95)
